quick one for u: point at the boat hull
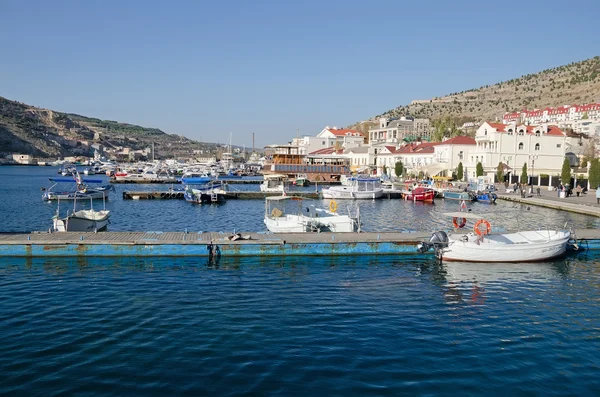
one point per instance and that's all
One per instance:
(346, 192)
(301, 224)
(462, 196)
(528, 246)
(95, 221)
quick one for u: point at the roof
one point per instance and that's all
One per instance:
(423, 148)
(344, 132)
(529, 129)
(460, 140)
(327, 150)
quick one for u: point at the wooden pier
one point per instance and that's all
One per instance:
(211, 244)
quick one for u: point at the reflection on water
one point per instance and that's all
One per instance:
(297, 326)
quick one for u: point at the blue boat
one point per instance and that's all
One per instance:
(487, 197)
(461, 196)
(76, 188)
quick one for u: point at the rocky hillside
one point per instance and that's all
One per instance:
(575, 83)
(45, 133)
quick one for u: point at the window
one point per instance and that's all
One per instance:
(537, 146)
(323, 143)
(485, 132)
(537, 133)
(558, 145)
(520, 145)
(521, 132)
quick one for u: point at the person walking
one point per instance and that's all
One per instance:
(578, 190)
(538, 192)
(598, 195)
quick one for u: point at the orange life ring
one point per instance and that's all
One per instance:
(488, 227)
(463, 222)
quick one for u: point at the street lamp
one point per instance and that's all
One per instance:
(533, 157)
(507, 159)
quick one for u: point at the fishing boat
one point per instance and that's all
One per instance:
(75, 188)
(273, 183)
(356, 188)
(486, 197)
(306, 218)
(420, 194)
(459, 195)
(482, 245)
(84, 220)
(208, 193)
(301, 180)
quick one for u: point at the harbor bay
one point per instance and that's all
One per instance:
(291, 325)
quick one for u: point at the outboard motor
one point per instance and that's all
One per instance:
(437, 241)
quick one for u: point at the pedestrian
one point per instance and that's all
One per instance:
(578, 190)
(559, 189)
(538, 192)
(598, 195)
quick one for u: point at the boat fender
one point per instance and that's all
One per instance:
(478, 231)
(333, 206)
(457, 224)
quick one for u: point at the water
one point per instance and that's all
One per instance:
(24, 211)
(331, 326)
(334, 326)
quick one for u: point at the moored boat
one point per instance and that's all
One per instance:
(481, 245)
(357, 188)
(279, 218)
(420, 194)
(84, 220)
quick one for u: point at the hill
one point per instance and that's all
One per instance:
(45, 133)
(575, 83)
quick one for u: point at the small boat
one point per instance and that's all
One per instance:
(301, 180)
(210, 193)
(481, 245)
(420, 194)
(356, 188)
(303, 218)
(487, 197)
(76, 188)
(85, 220)
(273, 183)
(456, 195)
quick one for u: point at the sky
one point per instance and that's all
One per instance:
(278, 69)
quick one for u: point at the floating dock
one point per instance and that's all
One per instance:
(178, 195)
(213, 244)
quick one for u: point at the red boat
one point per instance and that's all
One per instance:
(420, 194)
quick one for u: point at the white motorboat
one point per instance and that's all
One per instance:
(481, 245)
(273, 183)
(84, 220)
(358, 188)
(306, 218)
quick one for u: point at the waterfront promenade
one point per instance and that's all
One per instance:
(584, 204)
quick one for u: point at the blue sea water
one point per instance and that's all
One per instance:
(334, 326)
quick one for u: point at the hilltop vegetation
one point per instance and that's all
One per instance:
(45, 133)
(575, 83)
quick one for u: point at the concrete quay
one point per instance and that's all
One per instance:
(584, 204)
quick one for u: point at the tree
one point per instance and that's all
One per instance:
(399, 168)
(479, 169)
(565, 175)
(500, 172)
(524, 174)
(459, 172)
(384, 169)
(594, 178)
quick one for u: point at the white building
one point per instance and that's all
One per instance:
(541, 147)
(394, 131)
(330, 137)
(453, 151)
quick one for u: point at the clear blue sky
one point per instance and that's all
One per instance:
(205, 69)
